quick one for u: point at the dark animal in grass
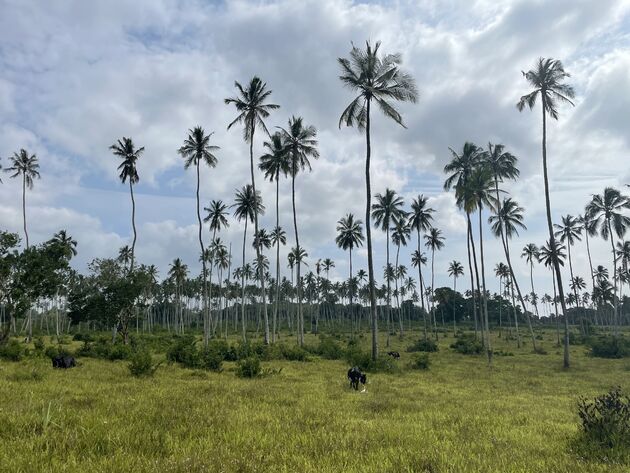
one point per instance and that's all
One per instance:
(64, 362)
(355, 376)
(394, 354)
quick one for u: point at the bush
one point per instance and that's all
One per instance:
(606, 419)
(363, 360)
(468, 345)
(141, 363)
(11, 350)
(293, 353)
(118, 352)
(53, 351)
(421, 362)
(184, 351)
(610, 347)
(103, 349)
(329, 349)
(248, 367)
(82, 337)
(39, 344)
(426, 345)
(211, 358)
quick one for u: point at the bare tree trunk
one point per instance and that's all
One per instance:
(368, 231)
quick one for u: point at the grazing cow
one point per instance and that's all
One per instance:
(394, 354)
(64, 362)
(355, 376)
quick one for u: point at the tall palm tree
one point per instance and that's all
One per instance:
(550, 254)
(126, 150)
(388, 206)
(216, 215)
(455, 270)
(547, 79)
(273, 163)
(28, 167)
(252, 111)
(420, 220)
(501, 271)
(178, 272)
(66, 242)
(605, 212)
(375, 78)
(590, 229)
(531, 253)
(349, 236)
(195, 150)
(247, 204)
(433, 241)
(300, 146)
(418, 258)
(401, 231)
(568, 232)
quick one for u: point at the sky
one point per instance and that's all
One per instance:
(76, 76)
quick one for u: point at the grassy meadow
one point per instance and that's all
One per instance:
(458, 416)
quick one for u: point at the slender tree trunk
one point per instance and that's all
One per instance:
(277, 301)
(261, 277)
(368, 231)
(477, 278)
(614, 277)
(388, 300)
(400, 323)
(552, 240)
(24, 207)
(243, 285)
(204, 302)
(298, 259)
(483, 286)
(433, 291)
(472, 275)
(424, 314)
(133, 226)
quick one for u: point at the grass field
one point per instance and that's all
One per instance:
(459, 416)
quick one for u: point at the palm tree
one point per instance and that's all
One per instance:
(216, 214)
(420, 220)
(252, 110)
(66, 242)
(605, 212)
(433, 241)
(401, 231)
(531, 253)
(623, 255)
(300, 145)
(195, 150)
(590, 229)
(380, 79)
(550, 254)
(568, 233)
(547, 80)
(28, 167)
(418, 258)
(349, 236)
(178, 272)
(388, 206)
(273, 163)
(247, 205)
(126, 150)
(501, 271)
(455, 270)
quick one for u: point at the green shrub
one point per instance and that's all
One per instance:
(11, 350)
(39, 345)
(606, 419)
(82, 337)
(292, 353)
(248, 367)
(610, 347)
(118, 352)
(426, 345)
(421, 362)
(468, 345)
(363, 360)
(329, 349)
(141, 363)
(184, 351)
(211, 358)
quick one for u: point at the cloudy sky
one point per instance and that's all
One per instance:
(75, 76)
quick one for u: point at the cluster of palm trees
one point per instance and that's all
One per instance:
(477, 175)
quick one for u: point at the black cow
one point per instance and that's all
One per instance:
(63, 362)
(394, 354)
(355, 376)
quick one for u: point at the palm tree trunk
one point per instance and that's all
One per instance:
(433, 291)
(552, 240)
(483, 286)
(614, 278)
(424, 315)
(243, 284)
(590, 261)
(204, 302)
(24, 207)
(474, 258)
(277, 301)
(531, 279)
(472, 277)
(298, 260)
(368, 231)
(389, 314)
(400, 323)
(133, 226)
(261, 276)
(350, 286)
(577, 301)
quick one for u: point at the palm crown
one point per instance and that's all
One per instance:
(126, 150)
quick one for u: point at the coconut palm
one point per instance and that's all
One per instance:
(418, 258)
(252, 111)
(375, 78)
(549, 254)
(300, 146)
(623, 256)
(433, 241)
(247, 205)
(547, 79)
(387, 207)
(401, 231)
(590, 229)
(420, 220)
(568, 232)
(349, 236)
(66, 242)
(178, 272)
(196, 150)
(605, 212)
(531, 253)
(278, 237)
(455, 270)
(126, 150)
(28, 167)
(501, 271)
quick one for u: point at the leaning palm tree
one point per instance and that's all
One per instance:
(349, 236)
(605, 212)
(420, 220)
(455, 270)
(568, 233)
(126, 150)
(247, 204)
(547, 79)
(28, 167)
(195, 150)
(388, 206)
(433, 241)
(300, 146)
(252, 110)
(376, 78)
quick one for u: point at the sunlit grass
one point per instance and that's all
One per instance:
(460, 416)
